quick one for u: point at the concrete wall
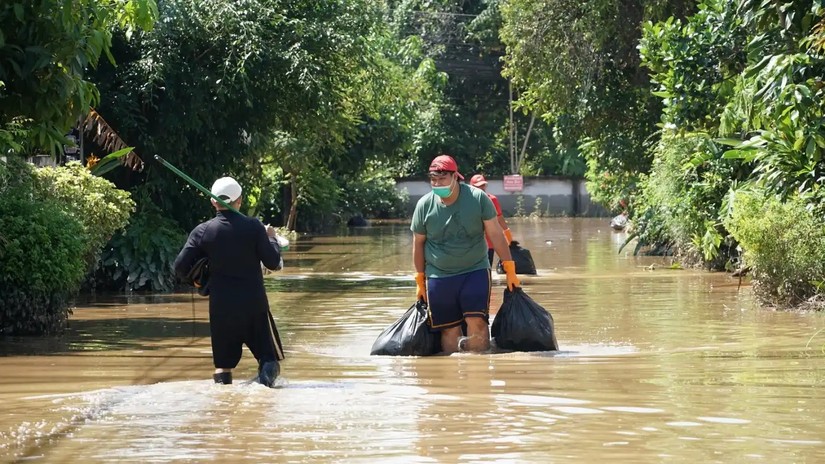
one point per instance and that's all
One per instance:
(557, 196)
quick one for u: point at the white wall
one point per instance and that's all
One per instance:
(558, 196)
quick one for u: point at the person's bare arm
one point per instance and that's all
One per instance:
(418, 252)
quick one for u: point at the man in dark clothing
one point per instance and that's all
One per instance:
(236, 246)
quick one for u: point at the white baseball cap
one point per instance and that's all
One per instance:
(226, 188)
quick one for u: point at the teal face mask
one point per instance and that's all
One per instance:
(443, 192)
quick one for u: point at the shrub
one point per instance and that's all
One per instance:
(373, 195)
(682, 197)
(141, 257)
(100, 207)
(784, 244)
(42, 266)
(16, 175)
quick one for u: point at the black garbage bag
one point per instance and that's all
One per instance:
(522, 258)
(410, 335)
(521, 324)
(199, 276)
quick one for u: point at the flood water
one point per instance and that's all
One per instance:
(655, 365)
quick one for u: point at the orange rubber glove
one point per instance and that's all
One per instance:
(421, 286)
(508, 235)
(510, 271)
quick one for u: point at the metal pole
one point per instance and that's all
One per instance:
(512, 129)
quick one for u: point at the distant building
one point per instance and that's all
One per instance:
(72, 151)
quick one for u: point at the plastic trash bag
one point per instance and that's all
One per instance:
(283, 244)
(522, 258)
(521, 324)
(619, 222)
(410, 335)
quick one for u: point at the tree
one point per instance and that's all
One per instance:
(576, 63)
(46, 49)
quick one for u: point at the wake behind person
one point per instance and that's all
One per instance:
(450, 256)
(236, 246)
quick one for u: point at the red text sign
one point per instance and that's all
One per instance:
(514, 183)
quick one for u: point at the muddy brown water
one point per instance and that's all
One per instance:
(655, 365)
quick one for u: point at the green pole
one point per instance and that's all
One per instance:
(282, 241)
(194, 183)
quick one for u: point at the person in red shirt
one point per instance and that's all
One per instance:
(479, 181)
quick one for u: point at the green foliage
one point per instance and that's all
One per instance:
(13, 133)
(614, 171)
(748, 74)
(318, 190)
(537, 212)
(577, 66)
(16, 177)
(100, 208)
(46, 48)
(217, 83)
(110, 161)
(403, 118)
(555, 66)
(682, 197)
(520, 211)
(556, 153)
(41, 265)
(141, 257)
(783, 111)
(373, 195)
(784, 244)
(470, 120)
(694, 64)
(53, 223)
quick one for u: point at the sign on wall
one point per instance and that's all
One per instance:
(513, 183)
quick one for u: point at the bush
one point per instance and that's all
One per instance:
(16, 175)
(42, 267)
(682, 197)
(616, 162)
(141, 257)
(784, 244)
(100, 207)
(373, 195)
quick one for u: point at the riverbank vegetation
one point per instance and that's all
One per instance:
(693, 114)
(707, 117)
(53, 224)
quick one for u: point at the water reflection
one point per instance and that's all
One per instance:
(655, 364)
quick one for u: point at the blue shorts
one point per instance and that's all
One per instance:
(451, 299)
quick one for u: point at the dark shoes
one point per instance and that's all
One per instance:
(224, 378)
(268, 372)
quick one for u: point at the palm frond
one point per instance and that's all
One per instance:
(94, 126)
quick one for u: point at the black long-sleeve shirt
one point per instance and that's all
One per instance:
(236, 246)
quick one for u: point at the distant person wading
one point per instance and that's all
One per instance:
(236, 246)
(479, 181)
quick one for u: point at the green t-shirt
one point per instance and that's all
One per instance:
(455, 233)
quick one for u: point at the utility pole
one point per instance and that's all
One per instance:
(513, 166)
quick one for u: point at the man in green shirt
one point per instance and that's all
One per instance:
(449, 226)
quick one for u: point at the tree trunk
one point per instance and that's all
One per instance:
(293, 204)
(520, 158)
